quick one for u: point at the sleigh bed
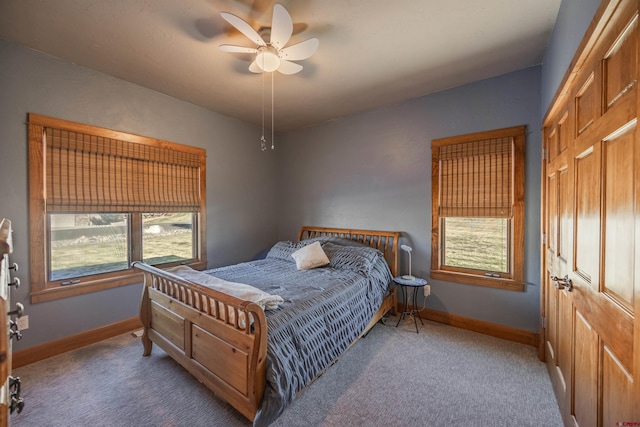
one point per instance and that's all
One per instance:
(257, 357)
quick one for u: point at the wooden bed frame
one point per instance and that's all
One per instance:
(225, 354)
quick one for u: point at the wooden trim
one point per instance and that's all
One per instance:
(480, 136)
(482, 327)
(470, 279)
(45, 121)
(106, 281)
(54, 348)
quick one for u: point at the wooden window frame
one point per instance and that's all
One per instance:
(515, 279)
(44, 290)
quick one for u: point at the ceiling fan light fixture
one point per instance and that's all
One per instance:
(272, 52)
(267, 59)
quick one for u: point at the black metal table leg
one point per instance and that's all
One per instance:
(403, 289)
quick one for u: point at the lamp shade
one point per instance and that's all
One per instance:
(407, 249)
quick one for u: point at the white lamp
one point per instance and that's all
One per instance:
(267, 58)
(407, 249)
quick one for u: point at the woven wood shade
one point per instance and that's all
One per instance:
(476, 179)
(88, 173)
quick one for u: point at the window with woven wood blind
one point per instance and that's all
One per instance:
(101, 199)
(477, 208)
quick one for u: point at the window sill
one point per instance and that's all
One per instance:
(470, 279)
(124, 278)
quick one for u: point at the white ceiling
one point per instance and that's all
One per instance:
(372, 52)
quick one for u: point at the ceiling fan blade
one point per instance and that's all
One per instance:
(300, 51)
(243, 27)
(237, 49)
(288, 68)
(254, 68)
(281, 27)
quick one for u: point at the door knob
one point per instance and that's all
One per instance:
(19, 310)
(564, 283)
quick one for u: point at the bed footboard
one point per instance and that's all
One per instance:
(219, 339)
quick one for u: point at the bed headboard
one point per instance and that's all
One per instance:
(385, 241)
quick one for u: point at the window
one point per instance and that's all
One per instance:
(100, 199)
(478, 208)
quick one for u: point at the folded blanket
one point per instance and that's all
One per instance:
(239, 290)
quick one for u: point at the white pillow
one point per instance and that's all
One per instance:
(310, 256)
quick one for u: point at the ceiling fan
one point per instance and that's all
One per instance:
(272, 54)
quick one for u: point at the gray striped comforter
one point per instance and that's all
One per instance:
(325, 309)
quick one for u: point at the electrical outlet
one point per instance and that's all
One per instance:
(23, 323)
(427, 290)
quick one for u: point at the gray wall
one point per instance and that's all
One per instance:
(373, 171)
(240, 177)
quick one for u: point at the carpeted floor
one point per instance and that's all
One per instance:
(442, 376)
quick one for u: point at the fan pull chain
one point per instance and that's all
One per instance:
(263, 141)
(273, 144)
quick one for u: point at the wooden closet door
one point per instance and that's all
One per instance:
(557, 344)
(591, 206)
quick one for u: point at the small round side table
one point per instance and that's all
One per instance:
(415, 283)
